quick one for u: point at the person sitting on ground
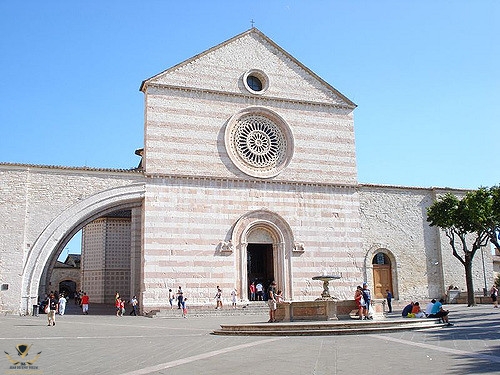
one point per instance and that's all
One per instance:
(439, 312)
(407, 310)
(428, 308)
(417, 311)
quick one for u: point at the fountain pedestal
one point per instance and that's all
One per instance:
(324, 308)
(325, 295)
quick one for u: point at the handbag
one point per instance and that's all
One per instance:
(47, 309)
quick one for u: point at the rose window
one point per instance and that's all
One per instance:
(259, 142)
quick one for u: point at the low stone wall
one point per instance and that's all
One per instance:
(324, 310)
(314, 310)
(480, 300)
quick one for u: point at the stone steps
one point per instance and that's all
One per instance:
(325, 327)
(256, 308)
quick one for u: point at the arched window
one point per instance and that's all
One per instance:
(381, 258)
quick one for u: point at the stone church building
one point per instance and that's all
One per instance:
(248, 172)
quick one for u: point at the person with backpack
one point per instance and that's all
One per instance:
(367, 298)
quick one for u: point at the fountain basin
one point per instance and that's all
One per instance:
(325, 295)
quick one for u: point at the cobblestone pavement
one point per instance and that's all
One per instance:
(129, 345)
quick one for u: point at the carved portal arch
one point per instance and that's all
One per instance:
(264, 226)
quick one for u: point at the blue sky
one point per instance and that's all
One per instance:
(425, 76)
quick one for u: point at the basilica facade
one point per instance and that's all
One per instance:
(248, 174)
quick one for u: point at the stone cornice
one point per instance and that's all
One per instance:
(246, 181)
(5, 165)
(399, 187)
(359, 186)
(249, 97)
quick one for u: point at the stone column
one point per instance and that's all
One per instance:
(136, 252)
(242, 253)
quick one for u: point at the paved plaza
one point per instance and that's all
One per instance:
(106, 344)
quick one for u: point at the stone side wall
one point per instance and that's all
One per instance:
(186, 219)
(394, 219)
(453, 270)
(31, 197)
(13, 247)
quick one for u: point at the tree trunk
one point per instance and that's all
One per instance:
(469, 281)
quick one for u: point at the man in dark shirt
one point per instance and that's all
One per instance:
(389, 299)
(53, 306)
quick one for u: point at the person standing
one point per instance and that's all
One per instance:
(53, 307)
(252, 291)
(118, 306)
(62, 304)
(184, 308)
(271, 301)
(494, 295)
(78, 298)
(233, 298)
(367, 298)
(135, 305)
(85, 303)
(259, 289)
(358, 298)
(389, 299)
(218, 298)
(122, 307)
(171, 297)
(180, 297)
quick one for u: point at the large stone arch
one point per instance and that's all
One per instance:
(281, 234)
(60, 230)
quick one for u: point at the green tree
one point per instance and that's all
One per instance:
(469, 223)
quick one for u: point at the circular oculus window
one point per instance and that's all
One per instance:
(259, 143)
(256, 81)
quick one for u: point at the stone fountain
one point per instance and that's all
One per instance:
(324, 308)
(325, 295)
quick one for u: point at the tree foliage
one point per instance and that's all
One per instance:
(469, 223)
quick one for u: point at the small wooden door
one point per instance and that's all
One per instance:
(382, 279)
(382, 275)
